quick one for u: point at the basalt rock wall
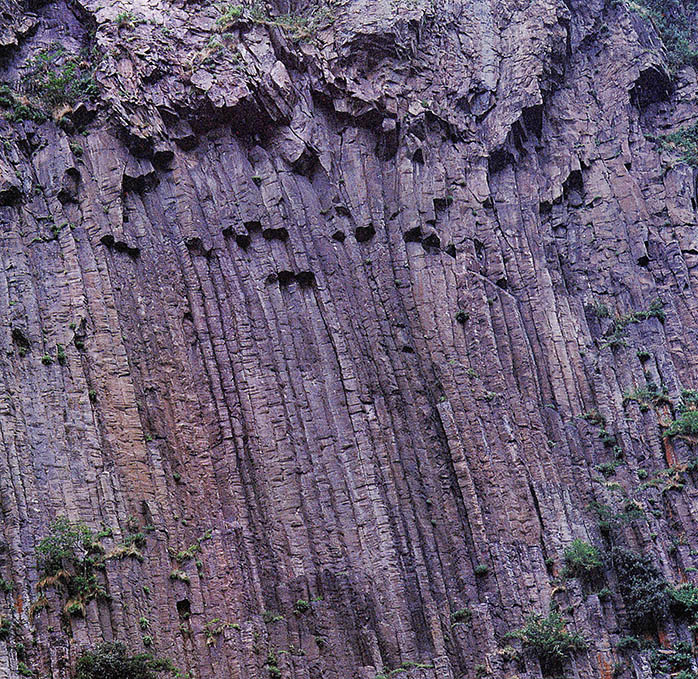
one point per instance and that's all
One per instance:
(341, 311)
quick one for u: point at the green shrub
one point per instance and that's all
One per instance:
(298, 26)
(24, 671)
(582, 559)
(273, 665)
(629, 644)
(600, 310)
(301, 606)
(685, 425)
(75, 608)
(642, 587)
(271, 617)
(481, 569)
(684, 141)
(5, 627)
(66, 544)
(680, 658)
(111, 661)
(607, 469)
(689, 400)
(594, 417)
(615, 335)
(655, 310)
(673, 20)
(648, 395)
(609, 518)
(230, 16)
(684, 599)
(16, 110)
(547, 638)
(137, 539)
(461, 616)
(179, 575)
(58, 77)
(67, 559)
(127, 20)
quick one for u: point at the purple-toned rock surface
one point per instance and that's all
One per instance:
(325, 303)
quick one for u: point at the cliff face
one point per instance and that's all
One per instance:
(341, 323)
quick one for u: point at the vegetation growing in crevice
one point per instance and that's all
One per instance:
(684, 599)
(127, 20)
(192, 550)
(643, 355)
(179, 575)
(214, 628)
(686, 424)
(671, 478)
(607, 469)
(582, 560)
(404, 667)
(481, 570)
(685, 142)
(461, 616)
(673, 19)
(600, 310)
(649, 395)
(629, 643)
(273, 665)
(24, 671)
(678, 659)
(301, 606)
(297, 26)
(67, 544)
(5, 627)
(68, 558)
(112, 661)
(642, 587)
(609, 518)
(52, 80)
(271, 616)
(57, 77)
(615, 335)
(547, 638)
(21, 341)
(16, 109)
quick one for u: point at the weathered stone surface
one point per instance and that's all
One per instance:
(335, 299)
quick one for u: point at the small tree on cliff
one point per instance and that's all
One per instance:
(66, 545)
